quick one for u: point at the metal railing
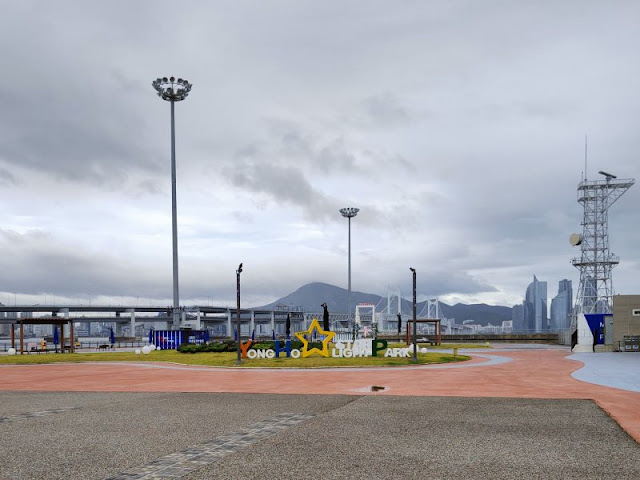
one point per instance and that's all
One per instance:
(5, 346)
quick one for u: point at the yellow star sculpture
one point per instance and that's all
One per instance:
(325, 343)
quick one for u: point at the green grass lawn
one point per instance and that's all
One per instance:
(227, 359)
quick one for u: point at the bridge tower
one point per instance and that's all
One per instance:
(433, 308)
(394, 301)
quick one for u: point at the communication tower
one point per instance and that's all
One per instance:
(596, 261)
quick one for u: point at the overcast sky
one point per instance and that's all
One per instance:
(457, 128)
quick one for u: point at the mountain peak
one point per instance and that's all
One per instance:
(312, 295)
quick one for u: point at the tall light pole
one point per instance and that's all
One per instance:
(238, 272)
(173, 91)
(415, 320)
(349, 213)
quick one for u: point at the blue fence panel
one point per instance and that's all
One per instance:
(167, 339)
(172, 339)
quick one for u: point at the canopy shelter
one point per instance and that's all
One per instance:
(42, 321)
(436, 323)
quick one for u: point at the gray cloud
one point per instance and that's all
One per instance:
(73, 139)
(386, 110)
(7, 177)
(283, 184)
(457, 129)
(40, 265)
(292, 144)
(293, 167)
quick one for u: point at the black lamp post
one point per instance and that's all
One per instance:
(238, 272)
(415, 320)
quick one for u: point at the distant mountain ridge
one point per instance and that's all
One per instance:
(312, 295)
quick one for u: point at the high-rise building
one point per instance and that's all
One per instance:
(561, 306)
(517, 318)
(535, 307)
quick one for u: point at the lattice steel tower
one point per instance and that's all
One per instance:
(595, 291)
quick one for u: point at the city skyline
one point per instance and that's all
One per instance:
(457, 130)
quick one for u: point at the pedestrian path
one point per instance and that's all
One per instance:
(544, 373)
(616, 370)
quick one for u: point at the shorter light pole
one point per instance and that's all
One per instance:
(349, 213)
(415, 320)
(239, 359)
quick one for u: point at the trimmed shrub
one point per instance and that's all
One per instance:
(226, 346)
(188, 348)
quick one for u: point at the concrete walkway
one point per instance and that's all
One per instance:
(535, 373)
(617, 370)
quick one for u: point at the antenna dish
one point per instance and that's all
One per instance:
(575, 239)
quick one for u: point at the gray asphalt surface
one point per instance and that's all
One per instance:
(346, 436)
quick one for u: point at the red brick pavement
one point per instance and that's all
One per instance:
(529, 374)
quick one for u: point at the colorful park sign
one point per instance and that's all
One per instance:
(325, 342)
(356, 348)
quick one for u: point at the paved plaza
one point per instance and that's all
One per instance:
(511, 412)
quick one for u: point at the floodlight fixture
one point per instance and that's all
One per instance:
(171, 90)
(349, 212)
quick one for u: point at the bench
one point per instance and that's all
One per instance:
(37, 350)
